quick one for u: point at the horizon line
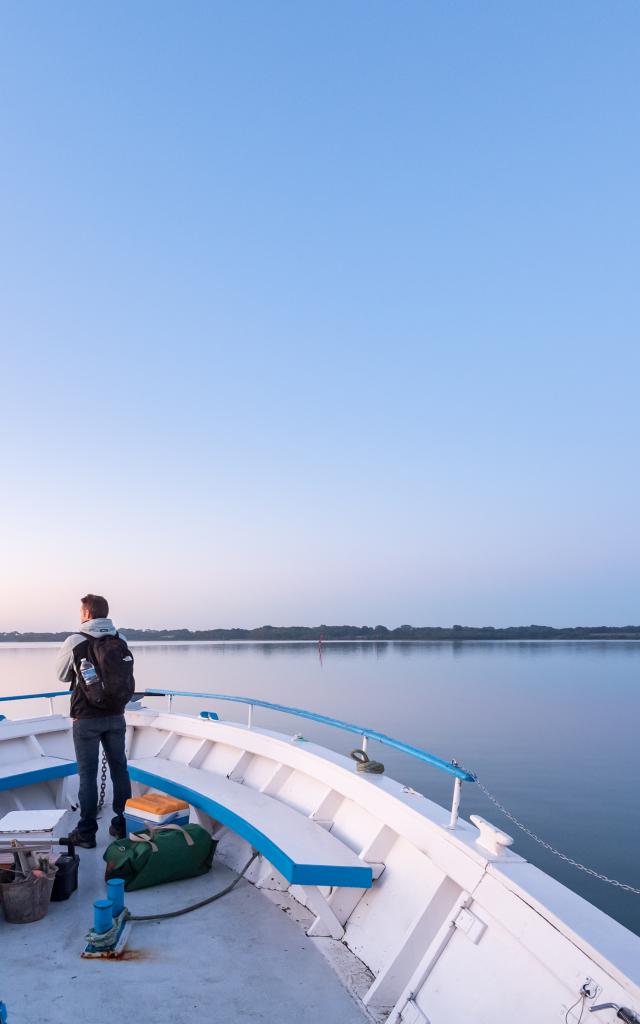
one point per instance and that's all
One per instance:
(328, 632)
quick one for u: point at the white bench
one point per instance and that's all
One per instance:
(35, 769)
(304, 852)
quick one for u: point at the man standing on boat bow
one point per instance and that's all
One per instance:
(99, 666)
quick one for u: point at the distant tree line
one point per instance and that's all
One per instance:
(457, 633)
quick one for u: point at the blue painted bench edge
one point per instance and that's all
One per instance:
(296, 874)
(57, 771)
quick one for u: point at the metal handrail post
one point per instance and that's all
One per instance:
(455, 804)
(169, 701)
(250, 717)
(51, 710)
(365, 740)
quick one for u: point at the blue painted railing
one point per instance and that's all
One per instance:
(358, 730)
(450, 767)
(36, 696)
(367, 734)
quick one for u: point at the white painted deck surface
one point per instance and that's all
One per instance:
(453, 929)
(241, 959)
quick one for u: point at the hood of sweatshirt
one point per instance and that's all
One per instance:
(98, 627)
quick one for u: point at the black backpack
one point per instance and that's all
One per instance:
(113, 662)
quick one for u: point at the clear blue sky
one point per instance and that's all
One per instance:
(320, 312)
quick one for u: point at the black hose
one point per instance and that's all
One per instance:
(195, 906)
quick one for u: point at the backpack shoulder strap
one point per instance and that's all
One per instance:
(91, 640)
(76, 654)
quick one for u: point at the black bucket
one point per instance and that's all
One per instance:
(25, 900)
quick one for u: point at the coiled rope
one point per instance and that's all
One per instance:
(365, 764)
(106, 940)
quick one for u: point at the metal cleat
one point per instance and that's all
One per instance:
(491, 839)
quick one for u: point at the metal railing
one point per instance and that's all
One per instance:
(450, 767)
(459, 774)
(38, 696)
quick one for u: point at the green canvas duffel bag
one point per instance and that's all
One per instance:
(165, 853)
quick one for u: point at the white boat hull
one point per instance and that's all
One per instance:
(448, 932)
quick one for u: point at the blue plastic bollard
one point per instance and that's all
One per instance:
(115, 893)
(102, 916)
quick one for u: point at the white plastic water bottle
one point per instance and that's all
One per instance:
(88, 672)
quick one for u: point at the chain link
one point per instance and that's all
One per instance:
(548, 846)
(103, 781)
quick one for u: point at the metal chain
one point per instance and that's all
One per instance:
(103, 781)
(548, 846)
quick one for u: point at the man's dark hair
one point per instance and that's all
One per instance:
(98, 607)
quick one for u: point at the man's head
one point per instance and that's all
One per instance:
(92, 606)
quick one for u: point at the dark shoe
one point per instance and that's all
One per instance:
(117, 829)
(83, 839)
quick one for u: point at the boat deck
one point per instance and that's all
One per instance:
(445, 905)
(240, 959)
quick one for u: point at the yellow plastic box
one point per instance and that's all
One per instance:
(142, 812)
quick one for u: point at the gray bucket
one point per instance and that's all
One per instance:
(27, 899)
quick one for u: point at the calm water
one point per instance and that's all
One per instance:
(551, 728)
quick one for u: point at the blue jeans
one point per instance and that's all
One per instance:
(88, 734)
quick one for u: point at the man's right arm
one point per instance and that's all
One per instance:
(64, 663)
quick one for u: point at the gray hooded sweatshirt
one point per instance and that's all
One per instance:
(66, 666)
(95, 627)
